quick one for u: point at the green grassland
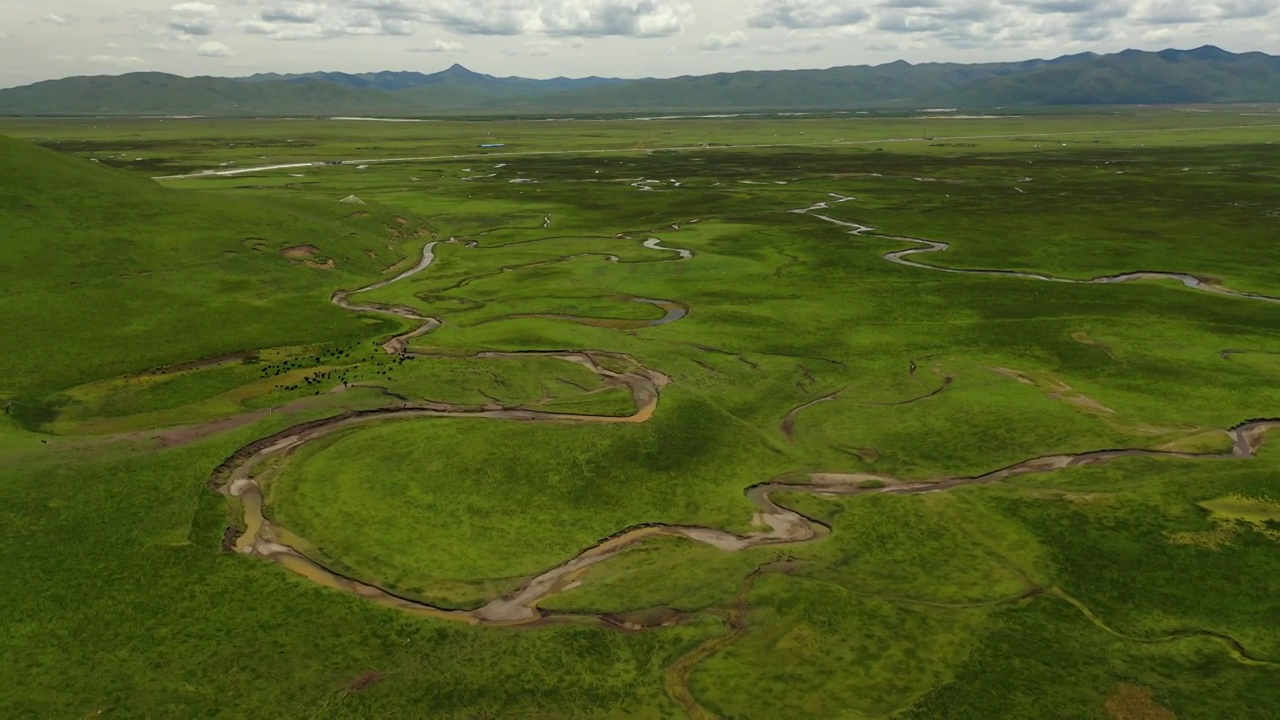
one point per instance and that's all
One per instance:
(1062, 593)
(160, 146)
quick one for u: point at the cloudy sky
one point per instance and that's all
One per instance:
(626, 38)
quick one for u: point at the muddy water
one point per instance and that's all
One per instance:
(789, 422)
(674, 311)
(901, 257)
(778, 525)
(242, 476)
(656, 244)
(400, 343)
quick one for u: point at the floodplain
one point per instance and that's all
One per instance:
(744, 417)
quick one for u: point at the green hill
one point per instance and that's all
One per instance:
(142, 276)
(1203, 75)
(163, 94)
(894, 84)
(455, 76)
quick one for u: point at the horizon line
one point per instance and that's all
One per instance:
(459, 65)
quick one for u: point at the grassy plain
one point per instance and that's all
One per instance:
(1047, 595)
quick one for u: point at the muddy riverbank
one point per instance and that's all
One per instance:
(244, 475)
(902, 257)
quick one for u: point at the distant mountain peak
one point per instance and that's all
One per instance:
(1204, 53)
(1201, 75)
(1075, 58)
(1208, 52)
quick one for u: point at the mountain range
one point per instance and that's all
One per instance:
(1203, 75)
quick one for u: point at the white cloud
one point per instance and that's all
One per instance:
(1170, 12)
(193, 19)
(1159, 36)
(195, 9)
(439, 46)
(402, 9)
(599, 18)
(584, 18)
(300, 13)
(998, 24)
(1174, 12)
(550, 18)
(214, 50)
(4, 35)
(807, 14)
(56, 19)
(795, 47)
(544, 47)
(117, 60)
(1245, 9)
(714, 42)
(321, 21)
(181, 22)
(518, 37)
(531, 50)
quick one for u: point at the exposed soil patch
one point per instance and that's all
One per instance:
(243, 476)
(364, 682)
(183, 435)
(301, 252)
(1086, 403)
(1015, 374)
(1134, 702)
(1057, 390)
(1214, 539)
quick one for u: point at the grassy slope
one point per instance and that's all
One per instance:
(127, 608)
(127, 269)
(160, 146)
(974, 322)
(1196, 76)
(162, 94)
(792, 266)
(117, 545)
(844, 633)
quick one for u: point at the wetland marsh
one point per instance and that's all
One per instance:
(952, 427)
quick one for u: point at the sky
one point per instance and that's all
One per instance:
(617, 38)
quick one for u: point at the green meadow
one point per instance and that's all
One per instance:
(155, 328)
